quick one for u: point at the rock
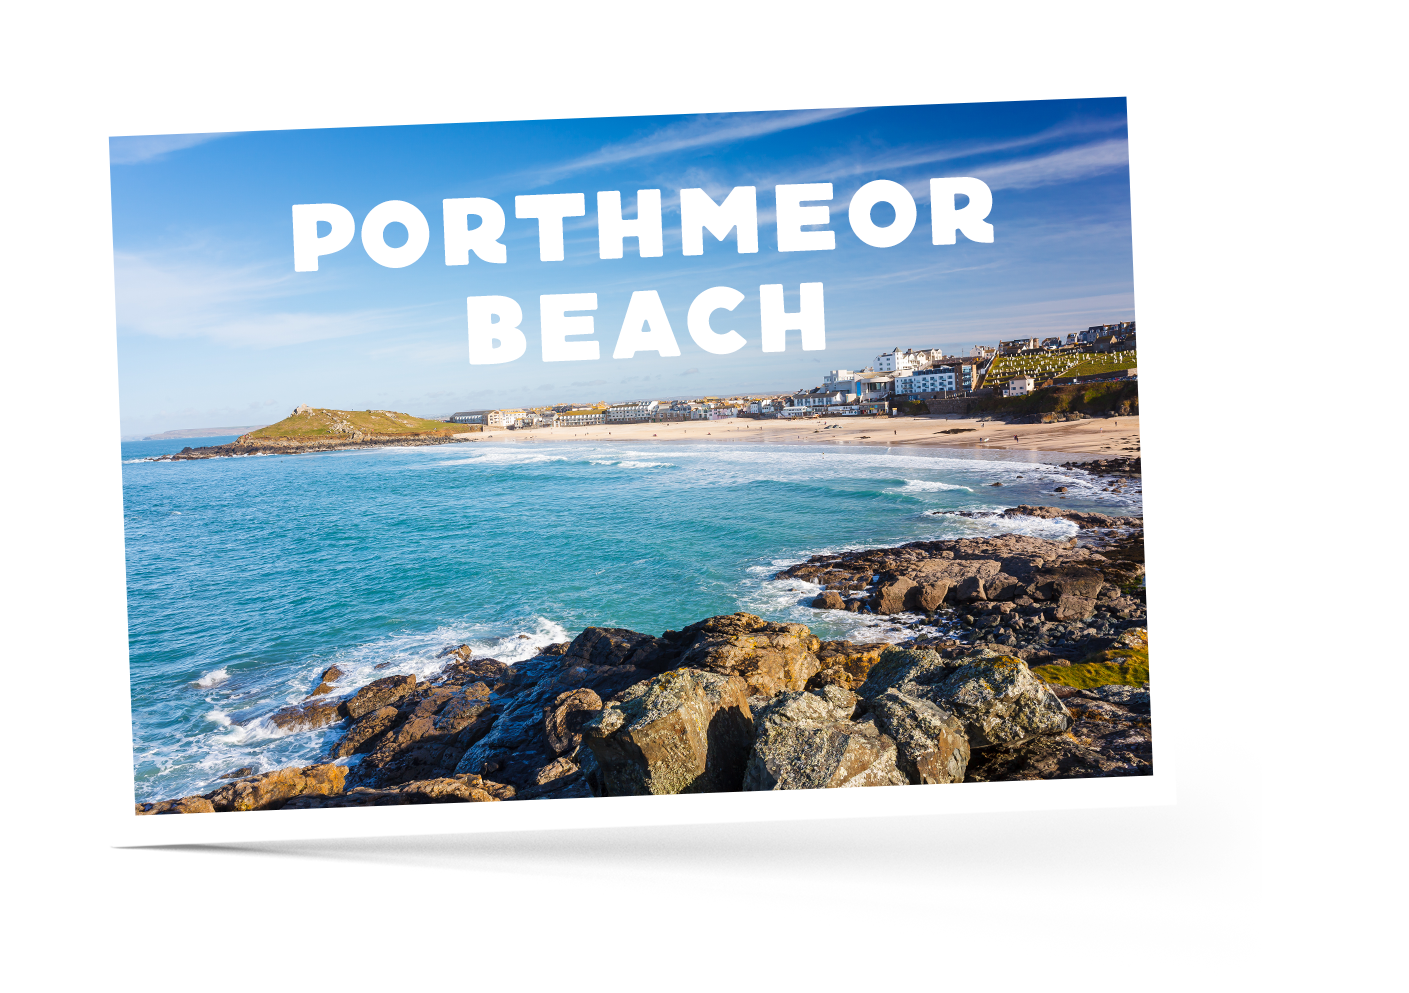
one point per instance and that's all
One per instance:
(330, 675)
(995, 696)
(240, 773)
(930, 742)
(614, 647)
(303, 717)
(563, 720)
(806, 741)
(770, 658)
(969, 590)
(829, 600)
(995, 484)
(459, 789)
(559, 648)
(926, 597)
(379, 693)
(685, 731)
(845, 664)
(516, 746)
(365, 730)
(891, 596)
(270, 790)
(438, 725)
(1060, 489)
(1075, 608)
(185, 805)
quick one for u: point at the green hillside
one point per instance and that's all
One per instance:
(321, 423)
(1042, 366)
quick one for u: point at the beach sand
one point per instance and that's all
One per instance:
(1108, 436)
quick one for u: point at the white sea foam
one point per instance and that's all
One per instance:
(213, 678)
(927, 486)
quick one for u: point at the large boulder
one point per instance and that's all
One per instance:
(808, 741)
(563, 719)
(995, 697)
(891, 595)
(926, 597)
(930, 741)
(768, 657)
(829, 600)
(684, 731)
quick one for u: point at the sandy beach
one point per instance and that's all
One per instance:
(1107, 436)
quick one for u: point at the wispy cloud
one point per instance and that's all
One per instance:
(1068, 165)
(235, 305)
(697, 132)
(133, 149)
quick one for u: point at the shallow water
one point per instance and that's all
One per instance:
(249, 576)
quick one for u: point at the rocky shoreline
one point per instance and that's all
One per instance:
(1029, 660)
(292, 446)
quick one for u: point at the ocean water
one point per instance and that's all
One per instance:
(247, 577)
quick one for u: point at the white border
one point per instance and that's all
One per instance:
(128, 828)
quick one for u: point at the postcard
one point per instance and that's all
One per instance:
(755, 456)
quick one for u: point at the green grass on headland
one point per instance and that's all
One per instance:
(322, 423)
(1085, 398)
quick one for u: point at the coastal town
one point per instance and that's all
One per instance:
(901, 381)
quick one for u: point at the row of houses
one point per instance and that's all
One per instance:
(1099, 337)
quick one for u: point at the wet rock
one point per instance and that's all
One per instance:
(240, 773)
(891, 595)
(379, 693)
(806, 741)
(769, 658)
(829, 600)
(305, 716)
(684, 731)
(331, 675)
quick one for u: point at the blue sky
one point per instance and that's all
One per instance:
(216, 328)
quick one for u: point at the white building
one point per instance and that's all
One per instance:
(505, 418)
(581, 418)
(939, 380)
(1019, 386)
(818, 398)
(633, 412)
(896, 361)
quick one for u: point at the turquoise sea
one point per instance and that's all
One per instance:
(248, 576)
